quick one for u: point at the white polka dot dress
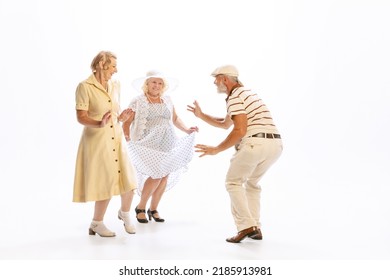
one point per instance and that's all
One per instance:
(157, 151)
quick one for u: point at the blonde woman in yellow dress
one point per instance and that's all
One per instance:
(103, 168)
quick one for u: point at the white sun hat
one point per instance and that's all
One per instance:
(170, 83)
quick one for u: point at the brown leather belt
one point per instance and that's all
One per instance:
(266, 135)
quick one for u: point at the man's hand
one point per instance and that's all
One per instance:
(206, 150)
(195, 109)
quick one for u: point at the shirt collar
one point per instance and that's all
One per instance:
(93, 81)
(232, 90)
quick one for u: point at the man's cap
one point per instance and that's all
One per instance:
(228, 70)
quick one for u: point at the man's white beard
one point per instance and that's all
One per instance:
(221, 88)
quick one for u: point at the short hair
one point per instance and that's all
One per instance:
(105, 57)
(234, 79)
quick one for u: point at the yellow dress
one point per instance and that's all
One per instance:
(103, 168)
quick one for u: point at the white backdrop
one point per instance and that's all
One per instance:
(322, 67)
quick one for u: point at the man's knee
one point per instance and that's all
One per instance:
(233, 186)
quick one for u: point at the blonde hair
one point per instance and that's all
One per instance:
(145, 86)
(105, 57)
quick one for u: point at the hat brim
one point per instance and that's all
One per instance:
(171, 83)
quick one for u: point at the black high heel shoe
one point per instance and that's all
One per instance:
(138, 211)
(151, 215)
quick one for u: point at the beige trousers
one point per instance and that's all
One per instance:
(247, 166)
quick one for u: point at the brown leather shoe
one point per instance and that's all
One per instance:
(258, 235)
(242, 234)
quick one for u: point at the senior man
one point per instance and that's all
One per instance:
(258, 145)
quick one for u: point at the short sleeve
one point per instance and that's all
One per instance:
(168, 100)
(82, 98)
(235, 106)
(136, 102)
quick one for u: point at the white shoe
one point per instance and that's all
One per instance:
(101, 229)
(124, 216)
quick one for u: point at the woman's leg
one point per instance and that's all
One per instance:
(123, 213)
(157, 195)
(126, 200)
(97, 225)
(150, 187)
(100, 209)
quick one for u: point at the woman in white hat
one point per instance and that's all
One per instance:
(158, 154)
